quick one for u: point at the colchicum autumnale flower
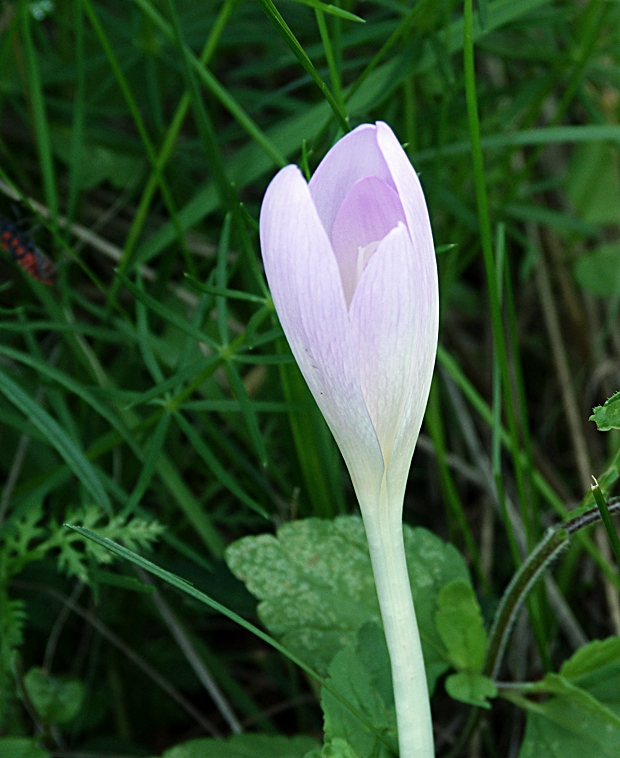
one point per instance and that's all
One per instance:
(350, 261)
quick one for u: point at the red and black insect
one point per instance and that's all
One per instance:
(20, 246)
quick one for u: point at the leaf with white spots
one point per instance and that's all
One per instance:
(316, 587)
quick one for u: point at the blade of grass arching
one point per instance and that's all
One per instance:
(235, 449)
(283, 29)
(55, 399)
(165, 313)
(189, 589)
(188, 504)
(76, 166)
(169, 142)
(541, 484)
(57, 439)
(500, 13)
(123, 85)
(522, 406)
(142, 330)
(199, 371)
(221, 280)
(537, 598)
(331, 10)
(334, 73)
(247, 411)
(39, 115)
(496, 442)
(589, 23)
(493, 292)
(151, 459)
(484, 221)
(202, 119)
(250, 162)
(232, 406)
(496, 460)
(215, 466)
(455, 513)
(211, 289)
(220, 92)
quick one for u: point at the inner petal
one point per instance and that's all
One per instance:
(368, 212)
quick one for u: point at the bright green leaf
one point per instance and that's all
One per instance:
(349, 676)
(570, 724)
(459, 624)
(607, 416)
(471, 688)
(335, 748)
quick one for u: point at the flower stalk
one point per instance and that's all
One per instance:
(384, 531)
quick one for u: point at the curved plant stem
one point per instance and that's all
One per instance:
(384, 532)
(513, 598)
(539, 559)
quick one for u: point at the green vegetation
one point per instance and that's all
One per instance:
(199, 608)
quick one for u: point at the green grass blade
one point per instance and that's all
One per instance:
(58, 439)
(283, 29)
(215, 466)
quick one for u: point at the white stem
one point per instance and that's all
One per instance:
(384, 531)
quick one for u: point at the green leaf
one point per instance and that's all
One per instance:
(336, 748)
(55, 700)
(245, 746)
(21, 747)
(373, 652)
(607, 416)
(582, 718)
(459, 624)
(599, 271)
(472, 688)
(592, 182)
(571, 724)
(596, 668)
(316, 587)
(349, 676)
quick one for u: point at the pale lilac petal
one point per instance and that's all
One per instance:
(427, 299)
(305, 285)
(352, 158)
(411, 195)
(383, 320)
(369, 211)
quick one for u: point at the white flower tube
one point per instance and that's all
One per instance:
(351, 265)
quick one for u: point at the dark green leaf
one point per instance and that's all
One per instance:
(55, 700)
(21, 747)
(244, 746)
